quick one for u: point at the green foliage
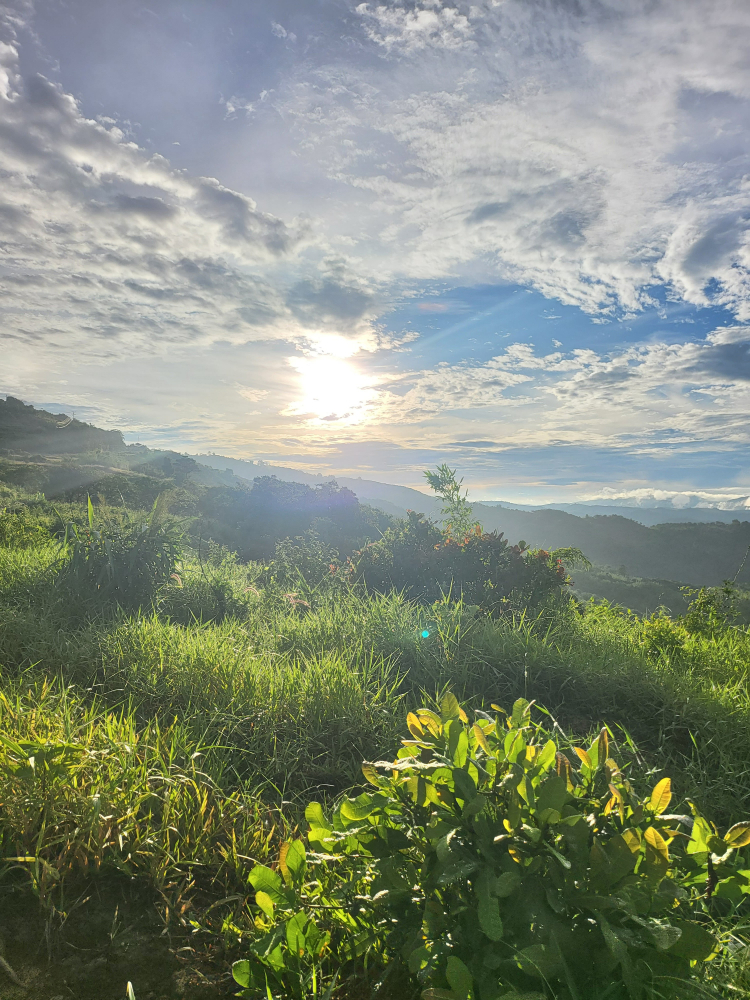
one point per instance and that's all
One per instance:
(713, 610)
(661, 635)
(285, 699)
(20, 527)
(253, 521)
(125, 559)
(306, 562)
(456, 510)
(287, 956)
(482, 568)
(493, 866)
(85, 790)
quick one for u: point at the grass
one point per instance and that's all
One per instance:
(194, 729)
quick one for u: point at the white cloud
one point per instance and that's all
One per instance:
(107, 250)
(646, 398)
(591, 150)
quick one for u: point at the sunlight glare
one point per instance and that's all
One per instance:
(331, 389)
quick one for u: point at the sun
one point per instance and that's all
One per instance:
(331, 389)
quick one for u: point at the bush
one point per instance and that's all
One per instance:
(661, 635)
(21, 527)
(713, 610)
(125, 560)
(481, 567)
(493, 867)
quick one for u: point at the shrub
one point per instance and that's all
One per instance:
(482, 567)
(494, 867)
(660, 634)
(713, 610)
(21, 527)
(125, 559)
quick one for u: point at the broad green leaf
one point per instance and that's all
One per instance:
(664, 935)
(241, 972)
(463, 784)
(458, 976)
(506, 884)
(655, 839)
(296, 857)
(514, 745)
(661, 796)
(552, 794)
(540, 961)
(314, 814)
(700, 836)
(738, 835)
(489, 917)
(265, 880)
(546, 758)
(449, 707)
(458, 743)
(584, 757)
(371, 774)
(264, 901)
(358, 808)
(319, 835)
(454, 870)
(418, 960)
(695, 942)
(443, 846)
(295, 934)
(521, 713)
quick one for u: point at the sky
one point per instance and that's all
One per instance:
(366, 238)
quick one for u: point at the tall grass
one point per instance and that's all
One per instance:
(283, 693)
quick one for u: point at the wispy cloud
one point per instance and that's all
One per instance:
(589, 150)
(646, 397)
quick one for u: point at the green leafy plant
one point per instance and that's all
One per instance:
(495, 867)
(124, 559)
(713, 610)
(661, 635)
(286, 959)
(482, 568)
(456, 510)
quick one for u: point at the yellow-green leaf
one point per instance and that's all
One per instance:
(414, 726)
(661, 796)
(738, 835)
(655, 839)
(314, 814)
(264, 901)
(370, 774)
(449, 707)
(481, 739)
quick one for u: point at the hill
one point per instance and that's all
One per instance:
(99, 462)
(25, 429)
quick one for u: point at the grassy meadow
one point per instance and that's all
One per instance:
(176, 743)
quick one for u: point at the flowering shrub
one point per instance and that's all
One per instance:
(483, 567)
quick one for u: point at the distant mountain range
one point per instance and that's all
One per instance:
(396, 500)
(49, 453)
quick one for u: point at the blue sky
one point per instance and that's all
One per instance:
(369, 237)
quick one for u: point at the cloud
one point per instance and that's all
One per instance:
(107, 250)
(646, 398)
(590, 150)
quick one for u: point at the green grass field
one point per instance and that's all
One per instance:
(176, 745)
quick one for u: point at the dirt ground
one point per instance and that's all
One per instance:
(105, 942)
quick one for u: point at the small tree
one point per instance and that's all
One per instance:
(456, 510)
